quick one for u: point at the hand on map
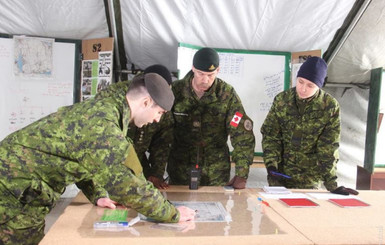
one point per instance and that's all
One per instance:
(186, 214)
(105, 202)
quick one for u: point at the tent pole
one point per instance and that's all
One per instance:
(329, 58)
(115, 29)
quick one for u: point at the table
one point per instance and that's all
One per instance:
(252, 222)
(331, 224)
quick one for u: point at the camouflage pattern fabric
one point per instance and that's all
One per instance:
(148, 138)
(85, 143)
(203, 125)
(303, 145)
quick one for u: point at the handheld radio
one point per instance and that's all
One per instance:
(195, 175)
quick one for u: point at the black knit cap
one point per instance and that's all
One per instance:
(160, 70)
(314, 69)
(159, 90)
(206, 59)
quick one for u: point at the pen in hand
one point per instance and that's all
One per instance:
(279, 174)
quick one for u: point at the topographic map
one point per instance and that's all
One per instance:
(33, 57)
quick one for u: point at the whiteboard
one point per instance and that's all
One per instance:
(257, 76)
(24, 100)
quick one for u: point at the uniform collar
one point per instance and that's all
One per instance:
(126, 114)
(315, 101)
(307, 100)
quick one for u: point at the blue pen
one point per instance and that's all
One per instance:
(279, 174)
(264, 202)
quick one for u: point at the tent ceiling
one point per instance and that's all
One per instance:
(152, 29)
(363, 50)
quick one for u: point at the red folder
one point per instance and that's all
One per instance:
(349, 202)
(298, 202)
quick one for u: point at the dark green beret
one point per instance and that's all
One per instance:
(206, 59)
(159, 90)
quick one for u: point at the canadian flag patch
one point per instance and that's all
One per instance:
(236, 119)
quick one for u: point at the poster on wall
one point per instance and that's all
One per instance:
(97, 66)
(89, 78)
(105, 70)
(96, 74)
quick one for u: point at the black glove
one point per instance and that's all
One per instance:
(271, 169)
(344, 191)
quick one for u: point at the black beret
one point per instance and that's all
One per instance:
(160, 70)
(206, 59)
(159, 90)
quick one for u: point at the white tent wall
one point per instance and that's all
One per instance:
(152, 29)
(71, 19)
(363, 50)
(354, 107)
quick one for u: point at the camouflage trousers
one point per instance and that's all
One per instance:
(20, 224)
(30, 236)
(24, 228)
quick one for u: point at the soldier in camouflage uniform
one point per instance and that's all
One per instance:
(86, 144)
(148, 138)
(206, 111)
(301, 132)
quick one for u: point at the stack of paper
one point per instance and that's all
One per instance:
(276, 190)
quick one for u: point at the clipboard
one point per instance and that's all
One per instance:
(349, 202)
(298, 202)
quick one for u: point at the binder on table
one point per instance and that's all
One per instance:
(349, 202)
(298, 202)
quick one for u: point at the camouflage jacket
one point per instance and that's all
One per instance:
(86, 144)
(148, 138)
(303, 146)
(201, 131)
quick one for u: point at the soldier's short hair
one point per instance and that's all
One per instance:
(137, 87)
(155, 86)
